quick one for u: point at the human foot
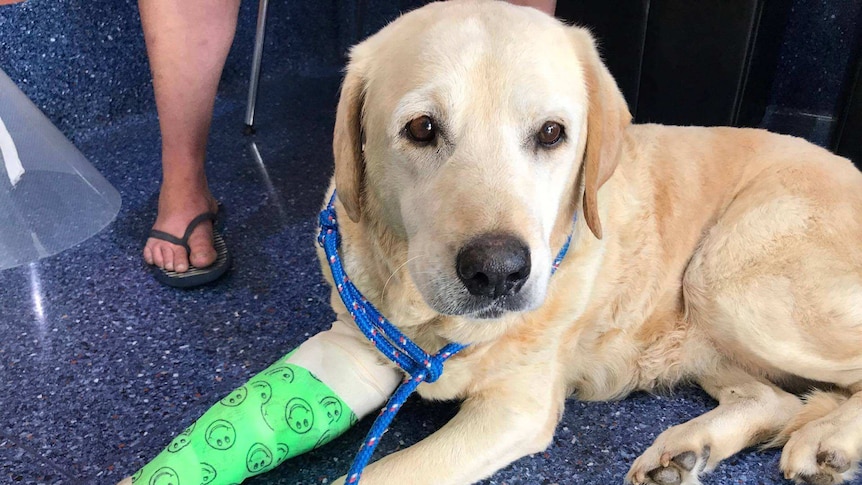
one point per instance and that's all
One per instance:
(177, 208)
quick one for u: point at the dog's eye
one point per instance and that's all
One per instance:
(421, 129)
(550, 133)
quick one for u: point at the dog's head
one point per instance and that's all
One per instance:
(474, 131)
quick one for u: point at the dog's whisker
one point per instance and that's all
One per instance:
(383, 292)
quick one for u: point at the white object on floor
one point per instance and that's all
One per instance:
(9, 152)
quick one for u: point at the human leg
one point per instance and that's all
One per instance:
(187, 44)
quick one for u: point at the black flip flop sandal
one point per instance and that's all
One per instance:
(194, 276)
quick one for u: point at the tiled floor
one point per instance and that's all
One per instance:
(100, 365)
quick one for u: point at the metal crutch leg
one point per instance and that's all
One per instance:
(254, 79)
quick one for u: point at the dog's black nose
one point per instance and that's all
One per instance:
(494, 265)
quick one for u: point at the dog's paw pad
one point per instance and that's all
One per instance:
(683, 468)
(833, 459)
(665, 476)
(687, 460)
(815, 479)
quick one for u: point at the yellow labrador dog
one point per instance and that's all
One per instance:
(470, 135)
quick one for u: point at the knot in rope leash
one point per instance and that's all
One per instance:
(419, 365)
(328, 225)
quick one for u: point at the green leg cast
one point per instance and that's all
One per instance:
(280, 413)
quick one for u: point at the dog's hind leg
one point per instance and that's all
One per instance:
(825, 450)
(777, 286)
(750, 411)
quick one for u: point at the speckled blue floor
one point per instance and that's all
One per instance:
(100, 366)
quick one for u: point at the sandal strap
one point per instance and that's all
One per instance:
(206, 216)
(156, 234)
(184, 241)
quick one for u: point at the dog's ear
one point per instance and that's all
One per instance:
(607, 117)
(347, 141)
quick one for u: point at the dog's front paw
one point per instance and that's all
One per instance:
(818, 454)
(676, 457)
(667, 466)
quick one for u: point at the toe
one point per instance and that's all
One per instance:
(148, 254)
(635, 476)
(203, 257)
(203, 253)
(180, 258)
(158, 258)
(168, 256)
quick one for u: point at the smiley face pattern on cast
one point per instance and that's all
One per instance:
(220, 434)
(262, 390)
(299, 415)
(279, 413)
(281, 452)
(236, 397)
(326, 437)
(208, 474)
(332, 407)
(165, 476)
(283, 372)
(181, 440)
(258, 458)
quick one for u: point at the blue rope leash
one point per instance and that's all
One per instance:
(418, 364)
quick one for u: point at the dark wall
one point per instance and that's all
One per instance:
(785, 65)
(846, 138)
(820, 45)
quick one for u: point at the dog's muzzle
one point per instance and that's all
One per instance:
(493, 265)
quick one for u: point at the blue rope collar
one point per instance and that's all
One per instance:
(418, 364)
